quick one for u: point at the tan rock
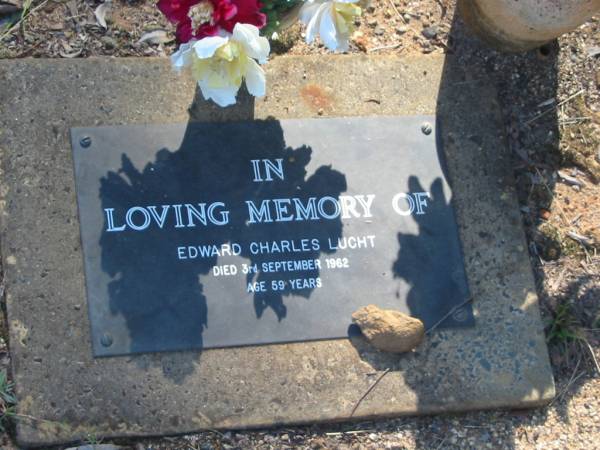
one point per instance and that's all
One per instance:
(389, 330)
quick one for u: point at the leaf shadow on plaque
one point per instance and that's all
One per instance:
(429, 265)
(166, 308)
(436, 285)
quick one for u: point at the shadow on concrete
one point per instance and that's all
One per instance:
(168, 309)
(523, 81)
(440, 287)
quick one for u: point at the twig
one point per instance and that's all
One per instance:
(576, 219)
(586, 242)
(569, 179)
(570, 382)
(397, 12)
(583, 137)
(368, 391)
(385, 47)
(36, 419)
(448, 314)
(441, 443)
(570, 120)
(539, 116)
(340, 433)
(589, 347)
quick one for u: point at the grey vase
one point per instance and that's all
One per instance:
(516, 26)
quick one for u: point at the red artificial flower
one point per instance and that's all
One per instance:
(196, 19)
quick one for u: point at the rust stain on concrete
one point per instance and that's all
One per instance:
(316, 97)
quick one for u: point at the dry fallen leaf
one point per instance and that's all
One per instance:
(593, 51)
(100, 12)
(74, 54)
(155, 37)
(73, 11)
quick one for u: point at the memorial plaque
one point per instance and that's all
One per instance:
(208, 235)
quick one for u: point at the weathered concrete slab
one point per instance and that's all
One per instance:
(502, 362)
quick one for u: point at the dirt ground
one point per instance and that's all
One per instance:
(551, 105)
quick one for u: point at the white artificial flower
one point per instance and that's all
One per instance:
(332, 20)
(220, 63)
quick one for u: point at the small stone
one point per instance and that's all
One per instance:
(406, 17)
(544, 214)
(401, 29)
(430, 32)
(372, 23)
(379, 31)
(109, 42)
(426, 47)
(361, 42)
(389, 330)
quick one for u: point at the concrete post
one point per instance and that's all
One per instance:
(522, 25)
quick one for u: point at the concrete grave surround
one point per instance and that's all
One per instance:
(501, 362)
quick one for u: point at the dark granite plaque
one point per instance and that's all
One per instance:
(229, 234)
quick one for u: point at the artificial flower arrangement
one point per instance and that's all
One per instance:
(223, 42)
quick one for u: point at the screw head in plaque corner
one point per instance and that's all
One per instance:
(426, 128)
(106, 340)
(85, 141)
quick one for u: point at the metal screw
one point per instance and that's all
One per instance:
(426, 128)
(106, 340)
(85, 141)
